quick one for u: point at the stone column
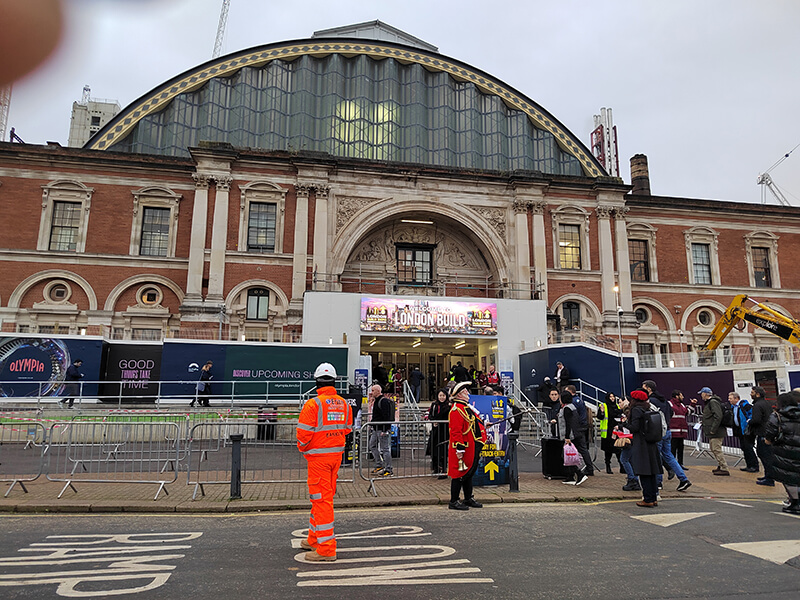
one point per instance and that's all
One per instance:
(523, 251)
(197, 243)
(300, 261)
(607, 279)
(321, 194)
(219, 240)
(623, 260)
(539, 249)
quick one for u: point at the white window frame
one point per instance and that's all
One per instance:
(571, 215)
(154, 197)
(645, 232)
(64, 191)
(762, 239)
(267, 193)
(703, 235)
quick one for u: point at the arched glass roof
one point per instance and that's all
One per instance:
(350, 98)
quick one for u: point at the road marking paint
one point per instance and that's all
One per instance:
(372, 570)
(372, 582)
(734, 503)
(109, 559)
(776, 551)
(668, 519)
(442, 551)
(788, 515)
(403, 531)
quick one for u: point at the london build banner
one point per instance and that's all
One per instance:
(493, 465)
(428, 316)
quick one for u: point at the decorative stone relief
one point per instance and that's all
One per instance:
(496, 217)
(349, 207)
(538, 207)
(201, 181)
(223, 183)
(604, 211)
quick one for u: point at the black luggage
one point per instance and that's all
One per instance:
(553, 458)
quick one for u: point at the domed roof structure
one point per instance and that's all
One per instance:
(351, 97)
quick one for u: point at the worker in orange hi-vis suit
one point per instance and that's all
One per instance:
(324, 422)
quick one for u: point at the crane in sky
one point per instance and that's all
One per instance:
(223, 21)
(765, 180)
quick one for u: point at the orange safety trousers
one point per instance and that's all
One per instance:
(323, 470)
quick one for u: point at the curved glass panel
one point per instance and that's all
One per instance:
(355, 107)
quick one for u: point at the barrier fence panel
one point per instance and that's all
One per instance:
(22, 444)
(730, 444)
(114, 452)
(269, 452)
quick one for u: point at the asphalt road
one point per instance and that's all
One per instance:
(690, 548)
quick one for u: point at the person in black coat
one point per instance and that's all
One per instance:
(645, 456)
(382, 376)
(782, 433)
(440, 434)
(762, 410)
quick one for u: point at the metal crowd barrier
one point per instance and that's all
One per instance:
(113, 452)
(22, 446)
(268, 453)
(730, 444)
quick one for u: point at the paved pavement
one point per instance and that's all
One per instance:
(42, 495)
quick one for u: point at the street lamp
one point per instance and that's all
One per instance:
(619, 334)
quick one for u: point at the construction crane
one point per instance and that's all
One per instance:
(766, 318)
(223, 21)
(765, 180)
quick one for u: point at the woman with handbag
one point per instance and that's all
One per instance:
(782, 433)
(645, 456)
(622, 440)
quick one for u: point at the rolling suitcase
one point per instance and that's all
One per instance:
(553, 458)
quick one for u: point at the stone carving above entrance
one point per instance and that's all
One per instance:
(347, 208)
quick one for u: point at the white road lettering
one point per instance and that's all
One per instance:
(404, 564)
(117, 560)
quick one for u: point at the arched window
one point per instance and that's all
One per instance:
(257, 304)
(572, 314)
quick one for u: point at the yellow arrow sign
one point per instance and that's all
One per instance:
(492, 469)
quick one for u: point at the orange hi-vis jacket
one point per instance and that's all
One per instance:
(324, 422)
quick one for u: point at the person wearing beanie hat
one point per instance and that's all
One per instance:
(467, 437)
(645, 456)
(665, 445)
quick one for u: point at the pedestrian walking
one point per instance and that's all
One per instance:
(72, 387)
(322, 427)
(204, 386)
(665, 445)
(645, 455)
(782, 433)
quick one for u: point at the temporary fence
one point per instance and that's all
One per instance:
(22, 444)
(113, 452)
(268, 452)
(730, 444)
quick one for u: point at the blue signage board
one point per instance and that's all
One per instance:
(493, 465)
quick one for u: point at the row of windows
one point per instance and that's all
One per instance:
(702, 266)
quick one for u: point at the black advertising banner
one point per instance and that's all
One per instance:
(36, 366)
(132, 371)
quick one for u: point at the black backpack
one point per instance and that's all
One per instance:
(654, 427)
(727, 414)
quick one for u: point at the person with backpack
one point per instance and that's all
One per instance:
(742, 413)
(645, 455)
(665, 444)
(762, 410)
(714, 428)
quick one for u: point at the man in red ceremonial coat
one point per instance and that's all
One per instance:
(467, 437)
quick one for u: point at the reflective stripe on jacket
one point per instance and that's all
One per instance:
(324, 422)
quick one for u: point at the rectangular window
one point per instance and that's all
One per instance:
(647, 357)
(701, 263)
(639, 260)
(761, 270)
(768, 354)
(257, 304)
(415, 265)
(569, 246)
(146, 334)
(261, 227)
(65, 226)
(155, 232)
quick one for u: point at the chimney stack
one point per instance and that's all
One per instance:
(640, 175)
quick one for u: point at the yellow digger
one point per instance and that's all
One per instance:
(759, 315)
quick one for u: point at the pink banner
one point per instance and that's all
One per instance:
(428, 316)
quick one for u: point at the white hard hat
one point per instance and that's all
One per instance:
(325, 370)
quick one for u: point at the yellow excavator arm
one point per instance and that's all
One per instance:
(766, 318)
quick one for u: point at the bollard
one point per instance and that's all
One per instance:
(513, 467)
(236, 466)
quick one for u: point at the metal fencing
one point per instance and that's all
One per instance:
(730, 444)
(112, 452)
(268, 453)
(22, 446)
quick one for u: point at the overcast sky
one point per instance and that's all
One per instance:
(707, 89)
